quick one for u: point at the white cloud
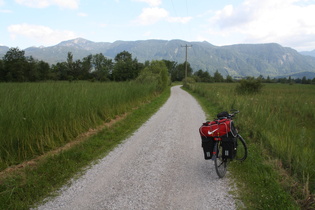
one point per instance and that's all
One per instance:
(70, 4)
(152, 15)
(152, 3)
(281, 21)
(42, 34)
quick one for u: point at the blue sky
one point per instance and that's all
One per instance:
(25, 23)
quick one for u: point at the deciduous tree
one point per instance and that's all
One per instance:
(102, 67)
(125, 68)
(15, 65)
(218, 77)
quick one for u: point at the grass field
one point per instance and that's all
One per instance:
(280, 120)
(25, 187)
(38, 117)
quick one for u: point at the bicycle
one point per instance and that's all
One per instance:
(220, 141)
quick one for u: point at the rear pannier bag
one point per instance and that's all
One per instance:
(221, 128)
(218, 128)
(228, 147)
(207, 145)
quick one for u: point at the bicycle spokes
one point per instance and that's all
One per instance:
(219, 163)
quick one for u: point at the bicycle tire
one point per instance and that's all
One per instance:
(219, 163)
(241, 151)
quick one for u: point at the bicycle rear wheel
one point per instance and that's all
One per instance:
(219, 163)
(241, 152)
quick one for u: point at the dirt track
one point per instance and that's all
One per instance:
(160, 167)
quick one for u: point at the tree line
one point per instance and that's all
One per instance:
(16, 67)
(288, 80)
(203, 76)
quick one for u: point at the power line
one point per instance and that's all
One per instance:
(186, 58)
(187, 14)
(176, 15)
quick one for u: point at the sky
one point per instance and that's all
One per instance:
(290, 23)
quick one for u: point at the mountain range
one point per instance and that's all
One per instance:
(268, 59)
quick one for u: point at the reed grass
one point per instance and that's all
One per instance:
(32, 185)
(281, 118)
(38, 117)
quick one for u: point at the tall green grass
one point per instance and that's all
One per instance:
(281, 118)
(29, 186)
(38, 117)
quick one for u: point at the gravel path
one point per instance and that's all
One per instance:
(160, 167)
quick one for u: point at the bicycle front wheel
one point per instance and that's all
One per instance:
(219, 163)
(241, 151)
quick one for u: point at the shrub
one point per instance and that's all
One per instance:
(188, 81)
(249, 86)
(155, 72)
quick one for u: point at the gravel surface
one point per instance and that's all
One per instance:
(160, 167)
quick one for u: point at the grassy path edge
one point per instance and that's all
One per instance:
(29, 186)
(259, 184)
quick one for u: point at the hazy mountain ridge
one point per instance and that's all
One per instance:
(236, 60)
(3, 50)
(309, 53)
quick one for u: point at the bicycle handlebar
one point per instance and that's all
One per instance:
(234, 112)
(227, 115)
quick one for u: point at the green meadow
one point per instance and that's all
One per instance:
(39, 117)
(279, 123)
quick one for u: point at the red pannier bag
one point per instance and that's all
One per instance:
(216, 128)
(221, 129)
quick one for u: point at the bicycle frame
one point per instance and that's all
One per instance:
(216, 139)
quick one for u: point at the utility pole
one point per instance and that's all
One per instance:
(186, 59)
